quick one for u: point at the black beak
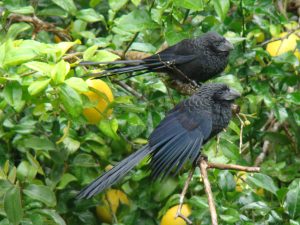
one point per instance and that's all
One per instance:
(231, 95)
(226, 47)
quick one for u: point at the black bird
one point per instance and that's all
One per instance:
(178, 138)
(191, 60)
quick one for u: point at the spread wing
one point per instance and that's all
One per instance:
(178, 138)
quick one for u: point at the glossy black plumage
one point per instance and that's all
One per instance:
(189, 60)
(178, 138)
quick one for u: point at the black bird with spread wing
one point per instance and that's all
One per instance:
(178, 138)
(191, 60)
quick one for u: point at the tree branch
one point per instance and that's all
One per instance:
(221, 166)
(212, 208)
(129, 89)
(40, 25)
(281, 38)
(186, 185)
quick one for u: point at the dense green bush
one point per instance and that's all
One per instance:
(49, 151)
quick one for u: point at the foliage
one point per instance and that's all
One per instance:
(49, 151)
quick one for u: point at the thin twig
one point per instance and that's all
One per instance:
(266, 146)
(241, 133)
(281, 38)
(129, 89)
(217, 144)
(72, 56)
(213, 213)
(129, 44)
(181, 198)
(221, 166)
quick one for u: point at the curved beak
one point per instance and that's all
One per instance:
(226, 47)
(231, 95)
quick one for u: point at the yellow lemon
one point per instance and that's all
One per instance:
(101, 95)
(279, 47)
(169, 217)
(112, 199)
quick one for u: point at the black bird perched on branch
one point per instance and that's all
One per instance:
(178, 138)
(190, 61)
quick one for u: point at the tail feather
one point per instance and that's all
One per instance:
(90, 63)
(115, 174)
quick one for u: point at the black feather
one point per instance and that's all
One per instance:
(189, 60)
(178, 138)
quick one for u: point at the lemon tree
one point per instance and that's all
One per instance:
(59, 129)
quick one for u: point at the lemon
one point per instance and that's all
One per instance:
(169, 217)
(115, 197)
(101, 95)
(279, 47)
(259, 37)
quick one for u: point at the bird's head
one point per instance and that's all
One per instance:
(217, 43)
(218, 93)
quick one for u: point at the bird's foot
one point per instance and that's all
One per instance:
(201, 157)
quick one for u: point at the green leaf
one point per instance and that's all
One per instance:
(65, 180)
(190, 4)
(15, 29)
(109, 128)
(25, 171)
(263, 181)
(53, 11)
(78, 84)
(67, 5)
(221, 8)
(88, 54)
(84, 160)
(292, 201)
(16, 55)
(165, 189)
(37, 143)
(116, 5)
(13, 95)
(35, 163)
(226, 181)
(230, 216)
(21, 10)
(41, 193)
(12, 175)
(70, 100)
(53, 215)
(104, 56)
(60, 71)
(260, 207)
(136, 2)
(13, 205)
(231, 80)
(38, 86)
(71, 145)
(43, 68)
(137, 20)
(89, 15)
(293, 98)
(62, 47)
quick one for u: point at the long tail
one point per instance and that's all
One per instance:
(115, 174)
(129, 67)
